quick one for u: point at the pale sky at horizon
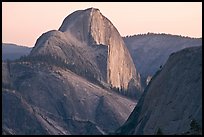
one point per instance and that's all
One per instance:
(24, 22)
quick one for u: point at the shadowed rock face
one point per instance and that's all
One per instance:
(18, 115)
(45, 99)
(172, 100)
(87, 37)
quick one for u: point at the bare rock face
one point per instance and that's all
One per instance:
(95, 42)
(63, 85)
(46, 99)
(172, 102)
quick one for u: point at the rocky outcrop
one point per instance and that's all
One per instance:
(87, 37)
(46, 99)
(172, 102)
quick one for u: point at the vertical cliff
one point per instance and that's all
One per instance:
(95, 42)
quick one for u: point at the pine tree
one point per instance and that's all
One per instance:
(159, 132)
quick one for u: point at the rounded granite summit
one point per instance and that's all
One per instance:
(97, 41)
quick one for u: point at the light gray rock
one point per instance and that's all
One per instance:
(89, 37)
(172, 100)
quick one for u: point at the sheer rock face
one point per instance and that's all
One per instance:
(172, 100)
(98, 43)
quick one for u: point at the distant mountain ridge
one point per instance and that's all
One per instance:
(13, 51)
(150, 51)
(157, 33)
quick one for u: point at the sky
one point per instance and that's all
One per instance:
(24, 22)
